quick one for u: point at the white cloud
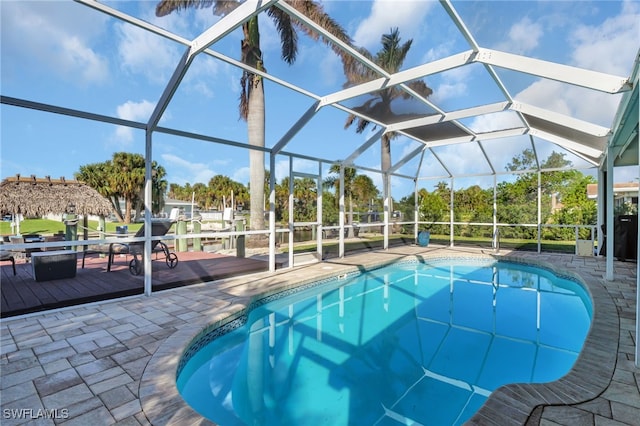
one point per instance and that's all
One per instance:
(134, 111)
(438, 52)
(596, 47)
(600, 47)
(241, 175)
(328, 64)
(408, 16)
(454, 85)
(453, 156)
(144, 53)
(55, 36)
(200, 78)
(184, 171)
(496, 121)
(598, 108)
(524, 36)
(448, 90)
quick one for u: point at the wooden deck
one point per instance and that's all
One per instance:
(21, 294)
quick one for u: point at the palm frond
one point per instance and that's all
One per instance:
(223, 8)
(288, 36)
(421, 88)
(392, 55)
(362, 125)
(350, 119)
(244, 95)
(314, 11)
(165, 7)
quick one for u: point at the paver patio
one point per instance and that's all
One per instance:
(99, 363)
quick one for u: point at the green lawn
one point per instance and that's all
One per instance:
(331, 246)
(50, 227)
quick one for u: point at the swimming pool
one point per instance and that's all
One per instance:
(409, 342)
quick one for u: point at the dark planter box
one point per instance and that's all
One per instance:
(54, 265)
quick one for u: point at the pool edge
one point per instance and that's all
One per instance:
(509, 404)
(516, 403)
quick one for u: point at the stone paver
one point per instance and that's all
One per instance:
(91, 364)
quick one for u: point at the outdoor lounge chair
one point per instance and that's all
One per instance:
(7, 256)
(158, 229)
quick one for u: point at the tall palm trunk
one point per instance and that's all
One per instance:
(127, 210)
(255, 124)
(254, 113)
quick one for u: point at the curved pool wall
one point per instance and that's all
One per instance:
(389, 343)
(509, 404)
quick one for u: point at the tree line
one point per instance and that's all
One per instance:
(223, 192)
(516, 201)
(122, 177)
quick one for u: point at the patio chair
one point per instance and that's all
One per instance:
(7, 256)
(158, 229)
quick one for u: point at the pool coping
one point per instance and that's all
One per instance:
(510, 404)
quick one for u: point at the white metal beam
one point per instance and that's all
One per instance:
(132, 20)
(499, 134)
(457, 20)
(564, 73)
(205, 138)
(463, 58)
(38, 106)
(185, 42)
(566, 143)
(486, 158)
(407, 158)
(228, 23)
(449, 116)
(218, 30)
(169, 90)
(148, 202)
(609, 203)
(452, 141)
(327, 35)
(561, 119)
(362, 148)
(415, 73)
(594, 161)
(535, 152)
(272, 213)
(304, 119)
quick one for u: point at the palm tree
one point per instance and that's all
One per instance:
(123, 178)
(252, 95)
(223, 190)
(364, 189)
(96, 175)
(390, 58)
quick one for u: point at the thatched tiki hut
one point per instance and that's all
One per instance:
(36, 197)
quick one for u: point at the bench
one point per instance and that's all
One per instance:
(54, 265)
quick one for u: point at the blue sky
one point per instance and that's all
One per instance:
(66, 54)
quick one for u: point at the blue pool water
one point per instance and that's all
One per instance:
(409, 343)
